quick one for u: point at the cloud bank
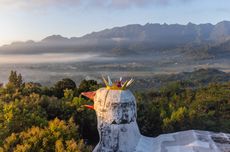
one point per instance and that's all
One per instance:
(121, 4)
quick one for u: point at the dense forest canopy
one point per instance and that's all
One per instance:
(39, 118)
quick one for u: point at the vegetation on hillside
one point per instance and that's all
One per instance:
(194, 79)
(178, 107)
(38, 118)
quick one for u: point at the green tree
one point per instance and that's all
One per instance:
(15, 79)
(57, 136)
(31, 87)
(88, 85)
(60, 86)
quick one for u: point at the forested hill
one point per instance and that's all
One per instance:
(39, 118)
(199, 77)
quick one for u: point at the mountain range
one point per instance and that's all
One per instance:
(191, 41)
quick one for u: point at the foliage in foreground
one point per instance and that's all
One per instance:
(35, 118)
(58, 136)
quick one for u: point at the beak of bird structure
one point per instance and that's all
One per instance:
(89, 95)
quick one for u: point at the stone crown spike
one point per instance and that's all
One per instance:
(117, 85)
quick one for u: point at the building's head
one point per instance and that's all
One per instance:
(114, 104)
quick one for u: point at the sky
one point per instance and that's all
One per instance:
(22, 20)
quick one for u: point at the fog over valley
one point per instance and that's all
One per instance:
(46, 58)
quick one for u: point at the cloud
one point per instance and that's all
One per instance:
(121, 4)
(223, 10)
(37, 4)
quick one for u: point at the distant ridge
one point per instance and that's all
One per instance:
(135, 39)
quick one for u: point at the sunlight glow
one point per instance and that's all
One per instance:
(45, 58)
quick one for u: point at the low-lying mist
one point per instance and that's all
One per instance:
(47, 58)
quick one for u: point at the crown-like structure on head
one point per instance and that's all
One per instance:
(117, 85)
